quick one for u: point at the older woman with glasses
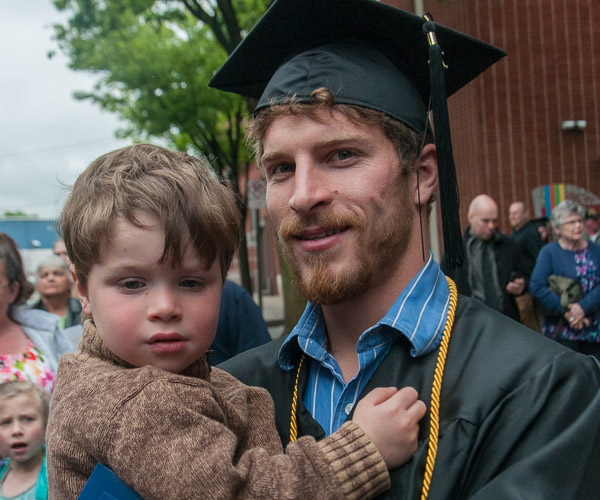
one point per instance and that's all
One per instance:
(565, 282)
(30, 340)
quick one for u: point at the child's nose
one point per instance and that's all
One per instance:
(164, 305)
(16, 428)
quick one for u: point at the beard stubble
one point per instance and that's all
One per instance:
(377, 252)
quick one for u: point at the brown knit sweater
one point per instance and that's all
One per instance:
(198, 434)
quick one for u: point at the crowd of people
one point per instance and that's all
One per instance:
(404, 378)
(550, 286)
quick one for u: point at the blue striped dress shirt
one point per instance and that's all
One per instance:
(419, 314)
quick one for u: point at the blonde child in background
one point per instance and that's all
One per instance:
(23, 417)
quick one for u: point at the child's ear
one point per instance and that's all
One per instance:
(81, 291)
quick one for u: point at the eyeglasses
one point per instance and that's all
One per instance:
(571, 222)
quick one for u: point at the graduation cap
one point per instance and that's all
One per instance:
(368, 54)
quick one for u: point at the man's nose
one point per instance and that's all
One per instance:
(311, 188)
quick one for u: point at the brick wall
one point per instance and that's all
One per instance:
(506, 125)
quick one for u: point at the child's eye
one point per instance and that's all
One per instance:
(132, 285)
(189, 283)
(4, 422)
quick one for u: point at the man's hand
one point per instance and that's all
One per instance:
(516, 286)
(390, 417)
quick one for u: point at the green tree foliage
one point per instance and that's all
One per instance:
(153, 60)
(18, 214)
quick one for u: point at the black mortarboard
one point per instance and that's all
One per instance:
(369, 54)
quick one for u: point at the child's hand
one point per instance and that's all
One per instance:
(390, 417)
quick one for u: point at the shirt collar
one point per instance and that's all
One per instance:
(419, 313)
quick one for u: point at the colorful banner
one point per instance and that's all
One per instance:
(545, 198)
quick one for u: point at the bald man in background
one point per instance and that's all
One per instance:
(494, 271)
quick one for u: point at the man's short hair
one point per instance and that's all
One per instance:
(181, 191)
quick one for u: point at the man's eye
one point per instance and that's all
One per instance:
(282, 168)
(344, 154)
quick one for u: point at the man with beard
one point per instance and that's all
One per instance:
(341, 131)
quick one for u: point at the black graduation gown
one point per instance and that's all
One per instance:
(519, 418)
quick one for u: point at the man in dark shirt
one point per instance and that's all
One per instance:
(241, 324)
(527, 236)
(524, 233)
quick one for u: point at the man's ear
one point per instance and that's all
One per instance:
(428, 175)
(469, 217)
(81, 291)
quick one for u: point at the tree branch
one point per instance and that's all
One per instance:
(212, 22)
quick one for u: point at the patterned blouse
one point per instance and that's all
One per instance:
(30, 365)
(588, 278)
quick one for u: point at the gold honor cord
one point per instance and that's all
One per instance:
(436, 390)
(293, 425)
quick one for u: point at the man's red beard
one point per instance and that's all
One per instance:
(376, 254)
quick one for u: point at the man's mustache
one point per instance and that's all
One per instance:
(298, 224)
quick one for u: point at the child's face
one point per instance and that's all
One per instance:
(149, 313)
(21, 427)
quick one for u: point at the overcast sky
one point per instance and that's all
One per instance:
(46, 137)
